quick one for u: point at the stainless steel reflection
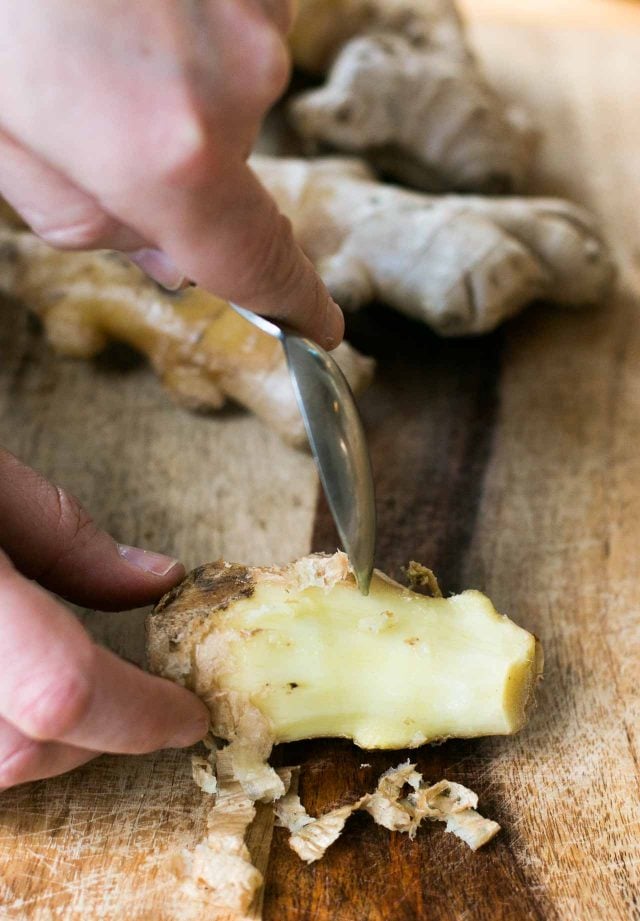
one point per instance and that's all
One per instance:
(337, 441)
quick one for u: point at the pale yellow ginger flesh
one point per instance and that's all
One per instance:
(203, 352)
(297, 652)
(403, 87)
(293, 652)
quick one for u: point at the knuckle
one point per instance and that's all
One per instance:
(271, 66)
(73, 520)
(190, 144)
(185, 155)
(86, 231)
(54, 707)
(74, 529)
(71, 527)
(262, 68)
(20, 764)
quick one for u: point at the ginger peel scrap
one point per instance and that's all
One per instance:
(191, 637)
(217, 874)
(442, 802)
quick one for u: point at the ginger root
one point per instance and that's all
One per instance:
(202, 350)
(461, 264)
(404, 89)
(295, 652)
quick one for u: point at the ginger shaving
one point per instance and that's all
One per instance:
(422, 580)
(248, 754)
(445, 801)
(203, 772)
(322, 571)
(218, 873)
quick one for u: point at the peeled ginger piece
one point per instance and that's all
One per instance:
(295, 652)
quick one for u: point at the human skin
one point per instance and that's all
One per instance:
(64, 699)
(126, 124)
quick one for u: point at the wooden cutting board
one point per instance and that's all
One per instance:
(510, 464)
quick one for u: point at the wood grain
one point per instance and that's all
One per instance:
(509, 463)
(97, 843)
(432, 415)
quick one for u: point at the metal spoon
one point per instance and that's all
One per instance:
(337, 441)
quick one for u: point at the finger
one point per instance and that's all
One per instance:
(52, 539)
(68, 218)
(159, 266)
(23, 759)
(59, 686)
(227, 234)
(56, 209)
(163, 159)
(120, 114)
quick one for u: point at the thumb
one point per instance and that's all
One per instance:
(227, 234)
(50, 538)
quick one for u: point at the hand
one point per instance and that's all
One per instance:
(63, 699)
(126, 124)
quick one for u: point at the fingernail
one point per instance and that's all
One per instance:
(334, 325)
(158, 266)
(156, 563)
(189, 735)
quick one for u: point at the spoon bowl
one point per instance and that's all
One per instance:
(337, 440)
